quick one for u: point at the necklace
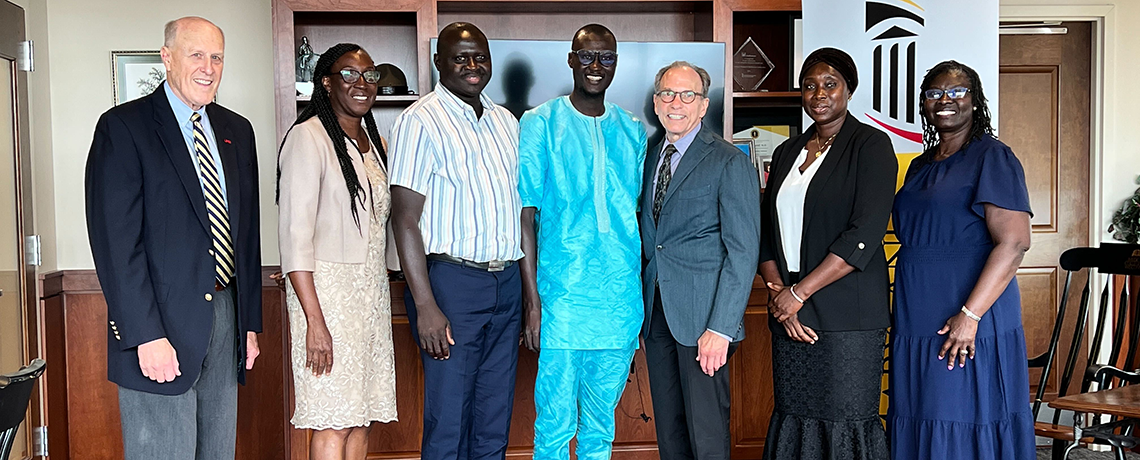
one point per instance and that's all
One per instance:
(823, 146)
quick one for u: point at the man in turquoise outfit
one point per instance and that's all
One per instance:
(581, 161)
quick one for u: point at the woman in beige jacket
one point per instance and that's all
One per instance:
(334, 204)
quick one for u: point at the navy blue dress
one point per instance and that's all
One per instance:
(981, 411)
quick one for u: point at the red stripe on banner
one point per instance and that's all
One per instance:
(908, 135)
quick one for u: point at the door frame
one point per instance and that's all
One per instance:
(1102, 129)
(13, 18)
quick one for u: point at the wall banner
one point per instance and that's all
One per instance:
(894, 43)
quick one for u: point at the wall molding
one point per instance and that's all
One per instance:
(86, 281)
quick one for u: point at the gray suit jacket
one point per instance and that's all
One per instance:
(703, 252)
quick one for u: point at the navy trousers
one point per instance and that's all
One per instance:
(468, 397)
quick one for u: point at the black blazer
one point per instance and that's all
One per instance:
(846, 210)
(148, 228)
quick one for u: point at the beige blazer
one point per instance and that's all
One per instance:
(315, 219)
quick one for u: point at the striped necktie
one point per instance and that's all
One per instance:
(215, 206)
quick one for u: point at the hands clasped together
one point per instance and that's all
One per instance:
(785, 308)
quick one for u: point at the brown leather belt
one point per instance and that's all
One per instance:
(492, 266)
(218, 286)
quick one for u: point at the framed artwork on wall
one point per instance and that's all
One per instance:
(135, 74)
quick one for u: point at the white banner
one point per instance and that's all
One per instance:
(894, 43)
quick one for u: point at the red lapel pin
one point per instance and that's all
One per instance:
(227, 141)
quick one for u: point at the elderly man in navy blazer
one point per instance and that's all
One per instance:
(172, 216)
(700, 232)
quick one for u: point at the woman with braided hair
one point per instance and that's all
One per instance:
(332, 189)
(958, 370)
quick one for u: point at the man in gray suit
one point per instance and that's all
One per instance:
(700, 232)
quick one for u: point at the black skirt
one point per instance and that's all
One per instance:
(827, 397)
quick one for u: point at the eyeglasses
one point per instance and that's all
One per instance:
(952, 93)
(605, 58)
(350, 76)
(668, 96)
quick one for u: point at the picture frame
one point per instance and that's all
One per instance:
(796, 52)
(764, 167)
(745, 145)
(135, 73)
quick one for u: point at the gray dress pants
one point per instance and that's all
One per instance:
(200, 424)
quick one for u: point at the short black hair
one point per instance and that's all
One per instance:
(596, 29)
(448, 36)
(982, 123)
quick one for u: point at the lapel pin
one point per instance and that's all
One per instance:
(227, 141)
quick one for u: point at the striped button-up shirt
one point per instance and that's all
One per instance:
(467, 168)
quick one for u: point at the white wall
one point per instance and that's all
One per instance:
(81, 35)
(76, 36)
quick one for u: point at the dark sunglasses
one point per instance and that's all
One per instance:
(668, 96)
(953, 93)
(350, 76)
(605, 58)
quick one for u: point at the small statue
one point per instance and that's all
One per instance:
(306, 60)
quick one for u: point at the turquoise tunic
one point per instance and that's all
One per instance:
(583, 174)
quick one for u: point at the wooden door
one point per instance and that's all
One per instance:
(1044, 116)
(19, 313)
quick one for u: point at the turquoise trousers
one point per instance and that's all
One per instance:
(576, 393)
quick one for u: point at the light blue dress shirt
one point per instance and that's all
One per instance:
(182, 113)
(681, 145)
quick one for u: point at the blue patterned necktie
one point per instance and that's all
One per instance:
(215, 206)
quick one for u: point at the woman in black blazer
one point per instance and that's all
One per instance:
(825, 213)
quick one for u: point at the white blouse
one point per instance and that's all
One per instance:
(790, 207)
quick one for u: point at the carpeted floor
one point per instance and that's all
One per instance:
(1081, 453)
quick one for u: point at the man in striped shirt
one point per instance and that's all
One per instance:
(455, 215)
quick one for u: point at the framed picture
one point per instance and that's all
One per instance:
(135, 74)
(764, 165)
(797, 51)
(745, 145)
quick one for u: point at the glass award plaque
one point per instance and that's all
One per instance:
(750, 66)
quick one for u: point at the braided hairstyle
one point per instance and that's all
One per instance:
(320, 106)
(981, 116)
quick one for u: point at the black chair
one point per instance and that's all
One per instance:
(1110, 258)
(15, 391)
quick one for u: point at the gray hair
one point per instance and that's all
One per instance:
(170, 31)
(705, 79)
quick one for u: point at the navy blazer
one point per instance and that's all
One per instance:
(846, 210)
(703, 252)
(149, 234)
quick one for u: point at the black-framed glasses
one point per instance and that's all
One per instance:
(668, 95)
(605, 58)
(952, 93)
(350, 76)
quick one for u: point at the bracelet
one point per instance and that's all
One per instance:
(970, 314)
(793, 291)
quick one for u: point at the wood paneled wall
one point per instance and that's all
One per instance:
(83, 413)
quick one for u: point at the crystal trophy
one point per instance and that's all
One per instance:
(750, 66)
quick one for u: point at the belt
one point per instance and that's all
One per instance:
(492, 266)
(218, 286)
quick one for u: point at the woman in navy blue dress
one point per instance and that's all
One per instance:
(959, 383)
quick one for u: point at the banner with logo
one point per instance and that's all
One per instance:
(894, 43)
